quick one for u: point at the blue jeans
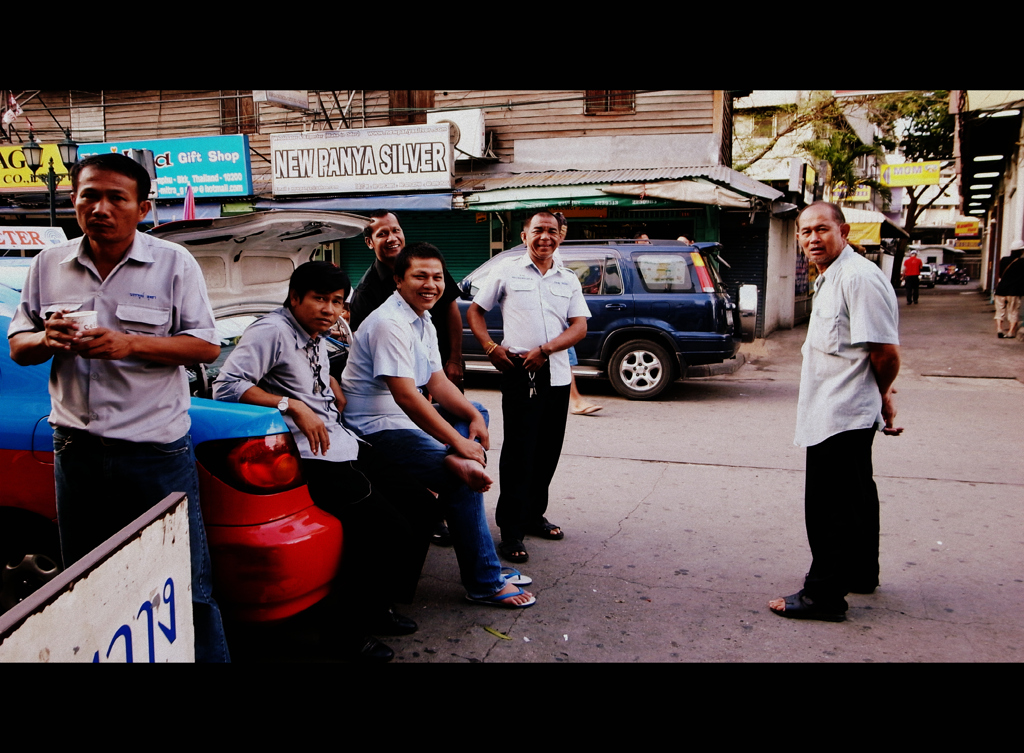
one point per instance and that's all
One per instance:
(422, 457)
(103, 485)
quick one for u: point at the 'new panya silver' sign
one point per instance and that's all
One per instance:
(396, 159)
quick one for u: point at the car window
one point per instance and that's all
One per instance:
(597, 276)
(664, 273)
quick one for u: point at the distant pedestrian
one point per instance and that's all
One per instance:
(912, 277)
(1009, 291)
(850, 360)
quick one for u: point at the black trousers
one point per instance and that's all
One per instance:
(842, 516)
(913, 285)
(534, 430)
(385, 517)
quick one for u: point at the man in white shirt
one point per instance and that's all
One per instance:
(851, 359)
(281, 362)
(119, 393)
(544, 314)
(394, 354)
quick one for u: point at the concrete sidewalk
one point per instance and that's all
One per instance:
(684, 515)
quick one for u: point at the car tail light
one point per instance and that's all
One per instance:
(258, 465)
(702, 273)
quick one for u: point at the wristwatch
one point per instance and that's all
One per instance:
(283, 405)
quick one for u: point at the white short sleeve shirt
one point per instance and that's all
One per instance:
(854, 304)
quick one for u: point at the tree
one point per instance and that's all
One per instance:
(841, 150)
(919, 124)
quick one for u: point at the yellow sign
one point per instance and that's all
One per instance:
(865, 233)
(862, 193)
(14, 176)
(966, 227)
(967, 244)
(912, 174)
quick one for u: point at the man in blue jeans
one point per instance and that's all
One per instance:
(119, 394)
(394, 354)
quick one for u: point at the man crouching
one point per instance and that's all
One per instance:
(394, 354)
(281, 362)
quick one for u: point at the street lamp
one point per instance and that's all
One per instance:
(34, 160)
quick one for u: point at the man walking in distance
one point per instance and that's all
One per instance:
(120, 394)
(851, 359)
(912, 277)
(544, 313)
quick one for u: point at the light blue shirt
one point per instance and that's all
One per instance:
(156, 289)
(854, 304)
(277, 355)
(391, 342)
(535, 307)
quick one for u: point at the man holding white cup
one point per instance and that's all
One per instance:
(119, 395)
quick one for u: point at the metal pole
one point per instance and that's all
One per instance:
(51, 184)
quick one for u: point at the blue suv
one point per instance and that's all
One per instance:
(657, 308)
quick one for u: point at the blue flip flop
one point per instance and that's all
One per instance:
(502, 600)
(515, 577)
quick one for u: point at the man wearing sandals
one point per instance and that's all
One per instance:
(544, 314)
(281, 362)
(851, 359)
(394, 354)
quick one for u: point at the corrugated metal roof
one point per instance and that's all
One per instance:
(717, 174)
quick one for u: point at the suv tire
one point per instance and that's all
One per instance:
(640, 370)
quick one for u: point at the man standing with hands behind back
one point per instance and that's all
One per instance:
(851, 359)
(544, 313)
(119, 393)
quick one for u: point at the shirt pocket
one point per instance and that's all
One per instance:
(523, 294)
(823, 333)
(141, 320)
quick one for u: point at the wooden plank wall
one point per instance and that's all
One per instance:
(518, 114)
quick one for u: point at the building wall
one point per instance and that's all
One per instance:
(545, 130)
(780, 284)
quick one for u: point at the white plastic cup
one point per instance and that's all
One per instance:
(86, 320)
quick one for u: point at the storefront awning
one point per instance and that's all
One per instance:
(867, 228)
(652, 188)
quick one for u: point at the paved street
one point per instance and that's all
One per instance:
(683, 516)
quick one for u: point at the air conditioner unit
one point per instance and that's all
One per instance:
(468, 132)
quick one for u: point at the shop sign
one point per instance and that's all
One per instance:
(29, 238)
(912, 174)
(16, 177)
(967, 244)
(215, 166)
(363, 160)
(861, 193)
(966, 227)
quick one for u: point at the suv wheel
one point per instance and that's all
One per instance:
(640, 370)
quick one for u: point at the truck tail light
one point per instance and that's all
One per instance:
(258, 465)
(702, 273)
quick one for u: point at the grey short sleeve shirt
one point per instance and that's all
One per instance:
(277, 355)
(854, 304)
(157, 289)
(393, 341)
(535, 307)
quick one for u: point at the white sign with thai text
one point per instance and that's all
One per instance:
(367, 160)
(129, 603)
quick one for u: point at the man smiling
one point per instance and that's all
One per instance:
(281, 362)
(544, 313)
(394, 354)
